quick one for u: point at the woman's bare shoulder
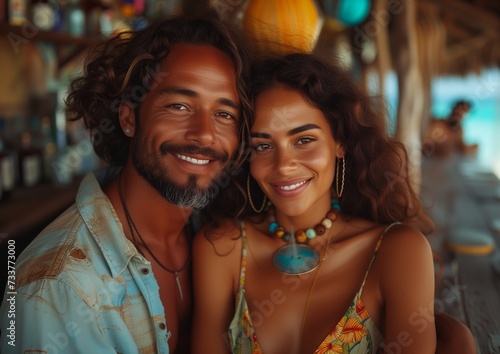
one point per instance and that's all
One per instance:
(404, 238)
(405, 249)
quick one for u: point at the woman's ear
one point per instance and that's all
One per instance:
(340, 151)
(126, 115)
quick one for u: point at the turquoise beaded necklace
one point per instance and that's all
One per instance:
(301, 236)
(299, 258)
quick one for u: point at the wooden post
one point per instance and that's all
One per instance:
(410, 88)
(383, 61)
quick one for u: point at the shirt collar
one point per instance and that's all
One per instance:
(102, 221)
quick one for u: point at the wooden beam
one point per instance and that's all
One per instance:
(382, 46)
(472, 44)
(472, 15)
(428, 6)
(410, 87)
(488, 5)
(454, 30)
(28, 31)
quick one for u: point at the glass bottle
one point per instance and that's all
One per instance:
(17, 12)
(30, 161)
(8, 159)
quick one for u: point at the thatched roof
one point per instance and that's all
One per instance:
(471, 30)
(454, 37)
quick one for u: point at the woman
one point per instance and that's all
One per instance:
(336, 264)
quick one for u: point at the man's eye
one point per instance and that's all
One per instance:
(177, 106)
(226, 115)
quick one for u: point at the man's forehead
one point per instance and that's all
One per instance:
(185, 55)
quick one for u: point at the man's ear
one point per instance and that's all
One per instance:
(126, 115)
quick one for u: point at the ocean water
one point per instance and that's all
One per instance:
(481, 124)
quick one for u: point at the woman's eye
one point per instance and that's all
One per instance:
(305, 140)
(261, 147)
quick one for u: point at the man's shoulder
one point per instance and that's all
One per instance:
(48, 255)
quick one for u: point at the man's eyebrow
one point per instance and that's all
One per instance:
(292, 132)
(190, 93)
(229, 103)
(179, 91)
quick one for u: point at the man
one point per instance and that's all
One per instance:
(167, 106)
(446, 137)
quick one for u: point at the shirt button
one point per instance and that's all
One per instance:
(162, 326)
(145, 271)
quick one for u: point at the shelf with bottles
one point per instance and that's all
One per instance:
(63, 22)
(68, 46)
(76, 25)
(40, 147)
(79, 21)
(41, 165)
(21, 33)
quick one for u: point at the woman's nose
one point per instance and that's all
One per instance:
(285, 161)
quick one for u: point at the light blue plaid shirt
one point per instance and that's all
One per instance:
(82, 287)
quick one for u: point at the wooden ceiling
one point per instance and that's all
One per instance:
(454, 37)
(472, 30)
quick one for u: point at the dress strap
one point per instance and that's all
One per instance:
(379, 242)
(243, 255)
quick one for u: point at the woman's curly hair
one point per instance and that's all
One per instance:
(124, 68)
(377, 182)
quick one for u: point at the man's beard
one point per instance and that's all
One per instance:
(190, 195)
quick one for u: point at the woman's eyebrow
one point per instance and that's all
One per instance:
(303, 128)
(260, 135)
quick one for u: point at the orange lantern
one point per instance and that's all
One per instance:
(283, 26)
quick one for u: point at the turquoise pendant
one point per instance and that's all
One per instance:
(296, 259)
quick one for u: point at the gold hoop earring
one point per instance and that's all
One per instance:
(250, 198)
(341, 191)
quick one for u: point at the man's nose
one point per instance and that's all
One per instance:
(200, 128)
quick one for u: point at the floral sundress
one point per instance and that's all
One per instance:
(354, 333)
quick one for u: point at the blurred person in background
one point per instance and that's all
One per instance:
(445, 137)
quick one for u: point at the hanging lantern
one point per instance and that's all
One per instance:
(281, 27)
(348, 12)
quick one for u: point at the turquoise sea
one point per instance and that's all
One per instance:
(482, 124)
